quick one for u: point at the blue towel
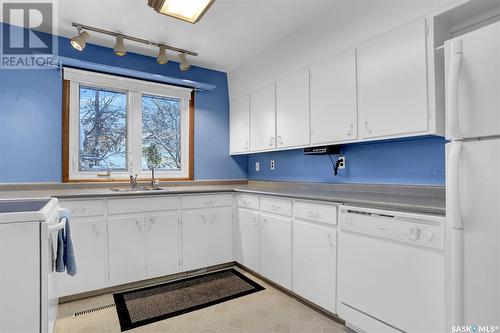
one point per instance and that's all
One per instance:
(65, 259)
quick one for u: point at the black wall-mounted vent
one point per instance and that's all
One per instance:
(322, 150)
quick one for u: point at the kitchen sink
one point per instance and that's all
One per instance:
(136, 189)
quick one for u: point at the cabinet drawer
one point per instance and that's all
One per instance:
(84, 207)
(206, 201)
(315, 212)
(143, 204)
(276, 206)
(247, 201)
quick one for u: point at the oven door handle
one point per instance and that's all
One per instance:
(63, 213)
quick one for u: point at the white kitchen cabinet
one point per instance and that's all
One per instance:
(276, 249)
(127, 249)
(263, 118)
(314, 263)
(392, 83)
(292, 110)
(239, 127)
(163, 244)
(248, 238)
(333, 99)
(207, 237)
(89, 237)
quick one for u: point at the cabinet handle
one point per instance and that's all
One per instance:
(330, 240)
(367, 127)
(351, 129)
(137, 224)
(209, 203)
(204, 219)
(151, 222)
(246, 145)
(214, 217)
(280, 140)
(275, 208)
(271, 142)
(314, 215)
(96, 230)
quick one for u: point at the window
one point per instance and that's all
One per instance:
(115, 127)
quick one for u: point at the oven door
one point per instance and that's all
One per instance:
(49, 299)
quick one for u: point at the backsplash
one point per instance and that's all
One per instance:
(406, 161)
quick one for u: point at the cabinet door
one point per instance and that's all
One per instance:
(194, 239)
(219, 235)
(248, 239)
(163, 244)
(314, 263)
(392, 83)
(127, 249)
(89, 241)
(240, 124)
(333, 99)
(276, 249)
(263, 118)
(292, 110)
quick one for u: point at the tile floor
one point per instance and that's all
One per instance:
(266, 311)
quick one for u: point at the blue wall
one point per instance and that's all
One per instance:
(30, 117)
(410, 161)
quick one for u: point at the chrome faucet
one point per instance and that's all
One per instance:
(133, 181)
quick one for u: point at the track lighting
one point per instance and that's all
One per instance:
(119, 46)
(184, 65)
(162, 55)
(78, 42)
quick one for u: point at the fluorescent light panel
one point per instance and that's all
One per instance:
(186, 10)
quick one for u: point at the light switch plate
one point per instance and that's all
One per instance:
(257, 166)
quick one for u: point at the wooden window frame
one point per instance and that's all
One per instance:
(66, 104)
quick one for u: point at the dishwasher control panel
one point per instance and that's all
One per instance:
(423, 230)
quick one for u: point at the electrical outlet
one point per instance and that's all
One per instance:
(272, 165)
(257, 166)
(342, 162)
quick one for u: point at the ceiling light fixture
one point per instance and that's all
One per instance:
(187, 10)
(184, 64)
(119, 46)
(78, 42)
(162, 55)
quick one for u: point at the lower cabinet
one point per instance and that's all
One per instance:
(90, 245)
(247, 248)
(143, 246)
(127, 249)
(276, 249)
(207, 237)
(314, 263)
(163, 244)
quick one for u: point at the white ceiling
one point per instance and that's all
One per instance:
(231, 32)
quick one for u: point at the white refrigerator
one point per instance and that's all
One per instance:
(473, 179)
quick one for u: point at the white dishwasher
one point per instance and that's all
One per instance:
(391, 271)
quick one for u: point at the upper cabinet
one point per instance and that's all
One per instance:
(392, 83)
(240, 125)
(263, 118)
(384, 88)
(333, 99)
(292, 110)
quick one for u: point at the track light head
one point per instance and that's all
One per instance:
(78, 42)
(184, 64)
(162, 55)
(120, 46)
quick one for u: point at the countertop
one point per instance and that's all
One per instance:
(420, 199)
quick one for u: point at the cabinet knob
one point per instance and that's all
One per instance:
(280, 139)
(271, 142)
(351, 129)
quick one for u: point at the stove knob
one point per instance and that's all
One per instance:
(431, 236)
(415, 233)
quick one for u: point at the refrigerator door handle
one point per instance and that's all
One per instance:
(454, 217)
(453, 194)
(452, 90)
